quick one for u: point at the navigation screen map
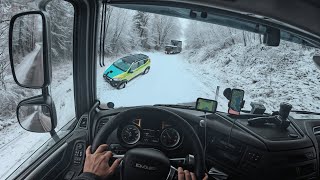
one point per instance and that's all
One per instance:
(206, 105)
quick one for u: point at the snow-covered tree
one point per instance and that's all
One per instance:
(164, 29)
(61, 14)
(8, 8)
(140, 26)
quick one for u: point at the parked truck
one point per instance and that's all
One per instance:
(174, 48)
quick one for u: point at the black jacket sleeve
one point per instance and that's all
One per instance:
(88, 176)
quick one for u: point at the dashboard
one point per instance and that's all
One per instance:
(232, 146)
(141, 132)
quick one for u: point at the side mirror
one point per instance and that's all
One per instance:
(316, 60)
(130, 71)
(37, 114)
(272, 37)
(29, 49)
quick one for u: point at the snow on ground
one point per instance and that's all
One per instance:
(169, 81)
(16, 144)
(23, 68)
(268, 75)
(183, 78)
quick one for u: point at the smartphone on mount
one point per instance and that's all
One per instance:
(236, 101)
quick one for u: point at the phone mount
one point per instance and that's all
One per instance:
(280, 120)
(228, 94)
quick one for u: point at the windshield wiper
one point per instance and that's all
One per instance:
(305, 112)
(177, 106)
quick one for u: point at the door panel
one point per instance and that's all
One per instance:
(60, 161)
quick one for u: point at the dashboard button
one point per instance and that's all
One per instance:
(79, 146)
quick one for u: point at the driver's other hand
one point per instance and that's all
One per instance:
(186, 175)
(97, 163)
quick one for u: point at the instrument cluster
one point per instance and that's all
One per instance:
(140, 133)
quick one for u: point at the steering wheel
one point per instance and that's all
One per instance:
(149, 163)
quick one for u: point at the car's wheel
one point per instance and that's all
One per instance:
(146, 70)
(122, 85)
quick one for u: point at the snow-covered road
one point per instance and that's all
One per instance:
(169, 81)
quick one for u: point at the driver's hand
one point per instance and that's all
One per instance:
(97, 163)
(186, 175)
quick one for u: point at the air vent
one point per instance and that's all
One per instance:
(101, 123)
(307, 169)
(83, 122)
(316, 130)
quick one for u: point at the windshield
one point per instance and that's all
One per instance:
(121, 64)
(212, 59)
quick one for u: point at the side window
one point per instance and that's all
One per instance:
(62, 18)
(140, 63)
(134, 66)
(12, 135)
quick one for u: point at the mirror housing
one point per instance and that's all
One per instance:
(130, 71)
(37, 114)
(35, 74)
(316, 60)
(272, 37)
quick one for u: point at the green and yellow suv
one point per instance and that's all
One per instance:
(125, 69)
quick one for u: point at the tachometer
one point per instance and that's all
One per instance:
(170, 137)
(130, 134)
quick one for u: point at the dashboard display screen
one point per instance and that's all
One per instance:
(206, 105)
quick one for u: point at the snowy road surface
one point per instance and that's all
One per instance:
(16, 144)
(30, 70)
(169, 81)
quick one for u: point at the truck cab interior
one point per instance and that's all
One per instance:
(232, 144)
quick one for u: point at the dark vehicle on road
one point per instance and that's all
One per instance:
(154, 134)
(174, 48)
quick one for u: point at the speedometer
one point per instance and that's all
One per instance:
(130, 134)
(170, 137)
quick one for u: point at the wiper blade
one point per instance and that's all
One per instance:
(176, 106)
(305, 112)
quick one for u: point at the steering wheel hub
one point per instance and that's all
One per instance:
(144, 164)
